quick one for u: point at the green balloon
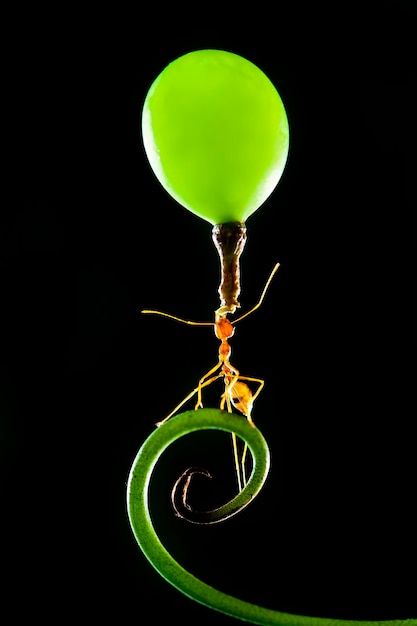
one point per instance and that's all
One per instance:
(216, 134)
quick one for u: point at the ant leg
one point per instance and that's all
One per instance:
(261, 385)
(237, 462)
(235, 452)
(202, 383)
(243, 464)
(252, 398)
(230, 381)
(206, 383)
(188, 397)
(244, 405)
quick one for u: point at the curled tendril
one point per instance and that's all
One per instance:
(159, 557)
(179, 495)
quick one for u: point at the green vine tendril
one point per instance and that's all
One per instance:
(159, 557)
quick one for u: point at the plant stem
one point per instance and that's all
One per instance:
(229, 240)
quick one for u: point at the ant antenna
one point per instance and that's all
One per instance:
(261, 299)
(192, 323)
(177, 319)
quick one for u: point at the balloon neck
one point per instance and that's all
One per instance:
(229, 240)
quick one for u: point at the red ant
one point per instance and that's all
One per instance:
(236, 392)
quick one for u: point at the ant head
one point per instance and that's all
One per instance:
(224, 328)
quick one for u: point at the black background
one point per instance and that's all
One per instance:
(89, 238)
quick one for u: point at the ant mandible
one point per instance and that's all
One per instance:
(236, 392)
